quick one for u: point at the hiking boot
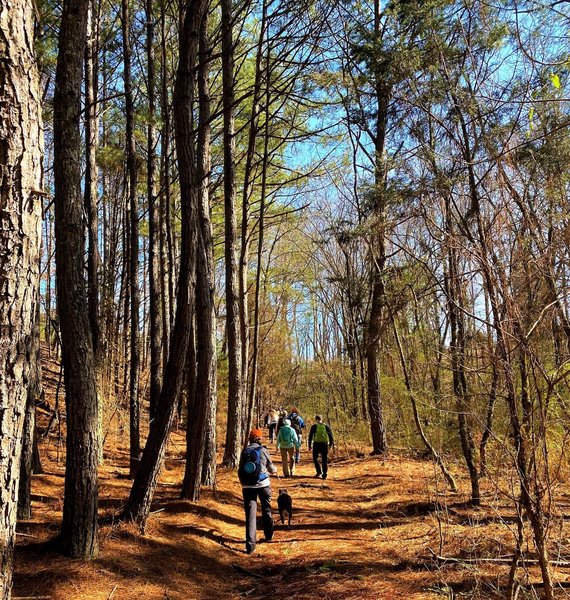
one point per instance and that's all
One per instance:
(250, 550)
(324, 475)
(317, 476)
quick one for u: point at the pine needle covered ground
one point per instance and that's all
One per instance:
(369, 531)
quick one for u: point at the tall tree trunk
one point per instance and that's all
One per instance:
(261, 235)
(378, 255)
(29, 433)
(156, 282)
(191, 378)
(205, 399)
(455, 303)
(408, 382)
(166, 253)
(91, 194)
(91, 179)
(79, 532)
(531, 488)
(140, 498)
(245, 241)
(234, 434)
(134, 401)
(21, 145)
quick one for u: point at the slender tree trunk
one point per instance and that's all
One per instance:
(261, 235)
(134, 401)
(205, 398)
(245, 241)
(166, 257)
(532, 490)
(29, 433)
(91, 179)
(156, 281)
(21, 145)
(378, 256)
(492, 392)
(453, 287)
(140, 498)
(234, 433)
(408, 382)
(191, 378)
(79, 532)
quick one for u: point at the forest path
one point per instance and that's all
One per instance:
(365, 533)
(358, 534)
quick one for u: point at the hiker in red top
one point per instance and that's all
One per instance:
(320, 437)
(253, 472)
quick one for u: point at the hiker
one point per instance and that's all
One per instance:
(282, 417)
(253, 472)
(272, 419)
(320, 437)
(288, 443)
(298, 425)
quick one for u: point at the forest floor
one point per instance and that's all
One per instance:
(369, 531)
(373, 530)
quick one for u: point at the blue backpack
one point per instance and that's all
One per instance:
(296, 423)
(249, 472)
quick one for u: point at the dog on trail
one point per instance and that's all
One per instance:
(285, 505)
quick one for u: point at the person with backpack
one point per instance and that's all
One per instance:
(320, 437)
(254, 468)
(288, 443)
(298, 425)
(272, 419)
(282, 417)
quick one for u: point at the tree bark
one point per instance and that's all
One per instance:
(29, 433)
(378, 256)
(245, 241)
(140, 498)
(261, 236)
(21, 145)
(166, 253)
(234, 433)
(134, 401)
(91, 179)
(205, 398)
(79, 532)
(156, 282)
(455, 303)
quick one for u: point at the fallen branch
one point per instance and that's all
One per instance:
(246, 572)
(503, 560)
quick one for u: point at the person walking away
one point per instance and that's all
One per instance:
(254, 468)
(298, 425)
(282, 417)
(272, 419)
(288, 443)
(320, 438)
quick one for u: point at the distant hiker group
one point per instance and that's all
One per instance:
(255, 466)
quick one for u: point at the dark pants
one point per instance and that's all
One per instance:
(272, 427)
(250, 496)
(321, 448)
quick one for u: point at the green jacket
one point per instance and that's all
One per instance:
(287, 438)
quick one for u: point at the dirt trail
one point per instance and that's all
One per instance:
(364, 533)
(350, 536)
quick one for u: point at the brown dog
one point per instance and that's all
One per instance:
(285, 505)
